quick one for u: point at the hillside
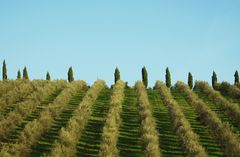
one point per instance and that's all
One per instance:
(57, 118)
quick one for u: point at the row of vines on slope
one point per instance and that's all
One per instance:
(35, 129)
(190, 140)
(23, 109)
(108, 146)
(19, 92)
(68, 138)
(7, 86)
(232, 110)
(149, 134)
(231, 90)
(222, 132)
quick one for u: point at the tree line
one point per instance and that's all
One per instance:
(25, 73)
(118, 77)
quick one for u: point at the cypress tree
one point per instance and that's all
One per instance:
(168, 78)
(116, 75)
(19, 76)
(70, 75)
(145, 76)
(4, 71)
(190, 80)
(236, 76)
(48, 77)
(25, 73)
(214, 80)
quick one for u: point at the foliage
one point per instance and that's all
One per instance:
(190, 80)
(24, 96)
(23, 109)
(116, 75)
(65, 146)
(231, 90)
(18, 93)
(236, 78)
(168, 78)
(145, 76)
(228, 140)
(108, 146)
(70, 75)
(214, 80)
(48, 77)
(232, 110)
(25, 73)
(19, 75)
(33, 130)
(4, 71)
(7, 86)
(190, 140)
(148, 129)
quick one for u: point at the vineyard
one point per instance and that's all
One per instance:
(64, 119)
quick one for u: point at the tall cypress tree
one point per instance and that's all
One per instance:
(48, 77)
(19, 76)
(70, 75)
(25, 73)
(168, 78)
(236, 78)
(145, 76)
(190, 80)
(214, 80)
(116, 75)
(4, 71)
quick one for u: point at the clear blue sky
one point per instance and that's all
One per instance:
(95, 36)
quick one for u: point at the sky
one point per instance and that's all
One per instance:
(95, 37)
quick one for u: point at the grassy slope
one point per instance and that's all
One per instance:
(44, 144)
(220, 112)
(129, 142)
(89, 142)
(206, 138)
(169, 143)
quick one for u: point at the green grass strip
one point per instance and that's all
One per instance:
(129, 141)
(206, 138)
(169, 142)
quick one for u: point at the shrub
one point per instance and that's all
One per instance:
(190, 140)
(232, 110)
(149, 134)
(23, 109)
(7, 86)
(33, 130)
(222, 132)
(108, 147)
(18, 93)
(227, 89)
(65, 145)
